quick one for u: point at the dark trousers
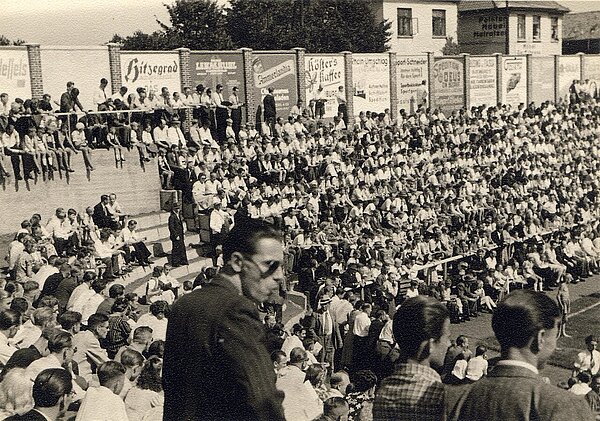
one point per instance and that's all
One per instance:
(15, 160)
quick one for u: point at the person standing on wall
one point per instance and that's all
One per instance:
(269, 109)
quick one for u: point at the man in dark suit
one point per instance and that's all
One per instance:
(176, 234)
(216, 365)
(269, 109)
(52, 390)
(102, 216)
(526, 326)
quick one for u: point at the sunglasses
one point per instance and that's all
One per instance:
(272, 266)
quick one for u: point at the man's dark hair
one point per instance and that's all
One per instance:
(48, 301)
(51, 385)
(109, 371)
(130, 358)
(244, 236)
(59, 341)
(96, 320)
(297, 355)
(103, 81)
(157, 348)
(332, 405)
(9, 318)
(277, 355)
(158, 307)
(584, 377)
(98, 285)
(480, 350)
(119, 305)
(521, 315)
(418, 319)
(460, 341)
(116, 290)
(19, 304)
(89, 276)
(69, 319)
(142, 334)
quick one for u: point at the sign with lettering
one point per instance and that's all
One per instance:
(448, 90)
(152, 71)
(371, 80)
(514, 81)
(14, 73)
(569, 69)
(411, 72)
(211, 69)
(276, 70)
(323, 75)
(482, 81)
(542, 79)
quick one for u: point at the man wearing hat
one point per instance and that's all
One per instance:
(327, 329)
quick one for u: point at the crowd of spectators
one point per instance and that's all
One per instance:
(463, 208)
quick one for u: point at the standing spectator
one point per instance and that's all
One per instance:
(52, 393)
(176, 234)
(360, 342)
(526, 326)
(269, 109)
(236, 110)
(103, 402)
(214, 341)
(415, 390)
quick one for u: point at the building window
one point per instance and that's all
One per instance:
(405, 23)
(520, 27)
(554, 26)
(438, 22)
(537, 28)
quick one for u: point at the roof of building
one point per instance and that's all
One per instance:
(581, 26)
(473, 5)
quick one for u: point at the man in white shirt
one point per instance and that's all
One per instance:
(360, 350)
(103, 402)
(61, 230)
(294, 340)
(100, 95)
(131, 238)
(10, 321)
(87, 345)
(221, 113)
(175, 134)
(588, 360)
(91, 305)
(161, 134)
(477, 366)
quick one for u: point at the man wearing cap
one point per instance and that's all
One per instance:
(175, 135)
(588, 360)
(327, 329)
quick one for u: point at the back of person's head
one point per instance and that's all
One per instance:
(116, 290)
(584, 377)
(110, 372)
(19, 304)
(419, 319)
(157, 348)
(480, 350)
(336, 408)
(89, 276)
(131, 358)
(521, 315)
(150, 377)
(244, 237)
(159, 307)
(30, 286)
(96, 320)
(297, 355)
(278, 355)
(461, 340)
(314, 374)
(69, 319)
(142, 335)
(48, 301)
(98, 285)
(297, 328)
(50, 386)
(60, 341)
(15, 391)
(9, 318)
(339, 380)
(41, 317)
(363, 380)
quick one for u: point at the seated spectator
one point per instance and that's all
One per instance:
(103, 402)
(88, 352)
(335, 408)
(93, 302)
(582, 385)
(298, 402)
(140, 342)
(477, 366)
(23, 357)
(115, 291)
(82, 293)
(15, 393)
(130, 238)
(52, 391)
(10, 321)
(118, 327)
(146, 394)
(588, 360)
(31, 330)
(360, 398)
(156, 319)
(133, 362)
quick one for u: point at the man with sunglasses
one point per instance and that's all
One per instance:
(216, 365)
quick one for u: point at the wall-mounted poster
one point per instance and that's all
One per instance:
(592, 72)
(514, 81)
(542, 79)
(483, 79)
(324, 74)
(14, 73)
(411, 72)
(151, 70)
(569, 69)
(448, 90)
(213, 68)
(371, 79)
(276, 70)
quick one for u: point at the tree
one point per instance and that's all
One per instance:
(451, 48)
(198, 24)
(6, 41)
(317, 25)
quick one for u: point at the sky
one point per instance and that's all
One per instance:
(94, 22)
